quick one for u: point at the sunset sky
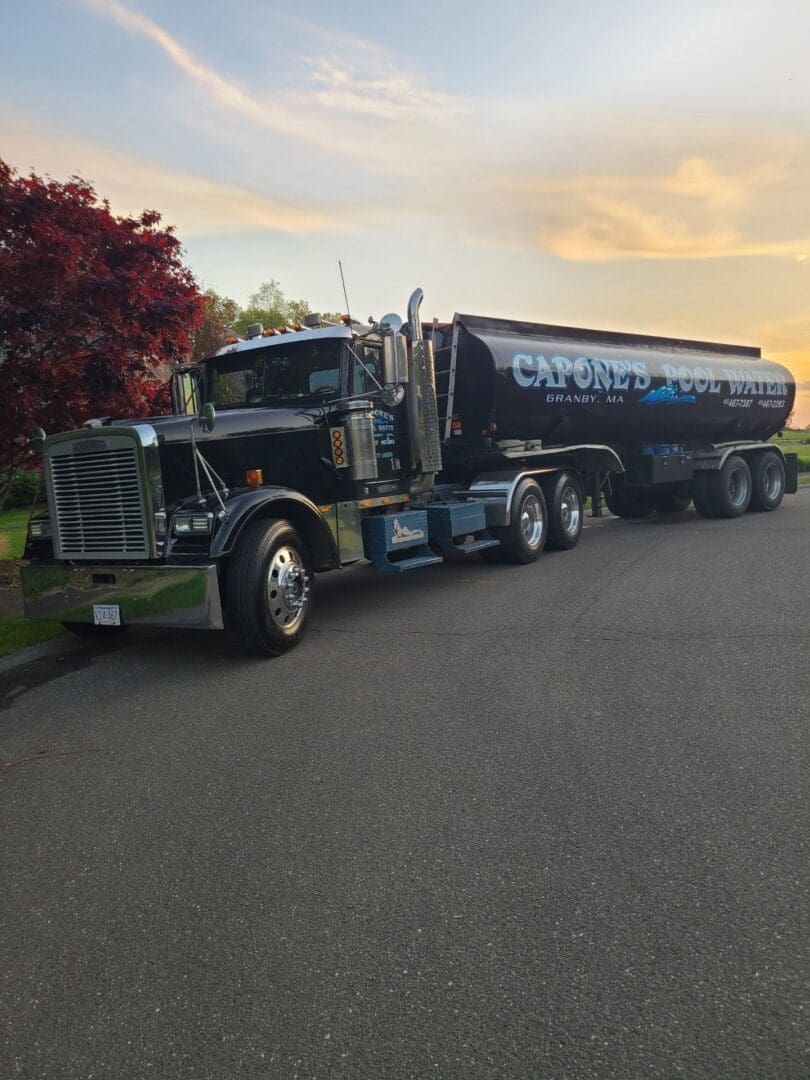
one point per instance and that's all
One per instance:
(627, 164)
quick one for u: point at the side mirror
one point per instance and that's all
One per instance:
(208, 416)
(37, 440)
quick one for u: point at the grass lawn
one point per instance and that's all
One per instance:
(17, 632)
(797, 442)
(13, 524)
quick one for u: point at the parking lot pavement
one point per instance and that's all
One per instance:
(485, 821)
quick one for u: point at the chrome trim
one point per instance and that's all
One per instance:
(496, 490)
(178, 596)
(414, 323)
(149, 479)
(349, 532)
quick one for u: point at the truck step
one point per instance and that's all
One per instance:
(395, 543)
(459, 528)
(399, 566)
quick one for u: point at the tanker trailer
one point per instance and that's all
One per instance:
(650, 423)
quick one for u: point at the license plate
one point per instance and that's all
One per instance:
(106, 614)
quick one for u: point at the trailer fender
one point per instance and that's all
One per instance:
(714, 457)
(496, 489)
(278, 502)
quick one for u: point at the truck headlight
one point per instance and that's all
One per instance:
(192, 524)
(39, 529)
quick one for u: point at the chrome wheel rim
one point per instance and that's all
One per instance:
(570, 510)
(772, 481)
(531, 521)
(737, 487)
(287, 589)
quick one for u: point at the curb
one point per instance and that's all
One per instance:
(54, 647)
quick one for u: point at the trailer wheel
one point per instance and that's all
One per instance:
(522, 540)
(625, 504)
(730, 488)
(767, 481)
(269, 588)
(669, 502)
(700, 494)
(565, 504)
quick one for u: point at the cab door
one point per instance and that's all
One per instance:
(390, 422)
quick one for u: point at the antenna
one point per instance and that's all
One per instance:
(345, 294)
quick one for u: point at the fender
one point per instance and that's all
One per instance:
(715, 456)
(278, 502)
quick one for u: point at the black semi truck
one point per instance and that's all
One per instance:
(302, 449)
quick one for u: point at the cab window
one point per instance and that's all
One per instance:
(365, 368)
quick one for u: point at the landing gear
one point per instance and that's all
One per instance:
(269, 588)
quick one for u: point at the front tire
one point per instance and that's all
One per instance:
(566, 512)
(767, 481)
(269, 588)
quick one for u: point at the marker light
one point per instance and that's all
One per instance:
(281, 329)
(254, 478)
(232, 341)
(270, 332)
(39, 528)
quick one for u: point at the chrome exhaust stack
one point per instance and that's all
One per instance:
(423, 417)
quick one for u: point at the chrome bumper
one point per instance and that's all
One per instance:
(160, 595)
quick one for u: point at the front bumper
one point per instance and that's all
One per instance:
(158, 595)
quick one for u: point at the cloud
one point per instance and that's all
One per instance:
(676, 190)
(226, 92)
(696, 211)
(195, 205)
(345, 90)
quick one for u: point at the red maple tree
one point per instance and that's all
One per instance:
(93, 307)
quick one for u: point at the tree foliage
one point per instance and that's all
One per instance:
(92, 306)
(220, 318)
(269, 306)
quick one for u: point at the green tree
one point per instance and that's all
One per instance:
(220, 321)
(270, 307)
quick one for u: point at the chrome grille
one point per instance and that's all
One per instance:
(97, 501)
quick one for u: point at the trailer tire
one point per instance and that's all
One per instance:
(669, 502)
(522, 540)
(767, 481)
(566, 510)
(700, 494)
(624, 503)
(268, 588)
(730, 488)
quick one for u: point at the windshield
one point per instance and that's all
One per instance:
(300, 371)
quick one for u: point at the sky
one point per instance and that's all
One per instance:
(623, 164)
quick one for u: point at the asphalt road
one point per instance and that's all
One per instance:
(543, 821)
